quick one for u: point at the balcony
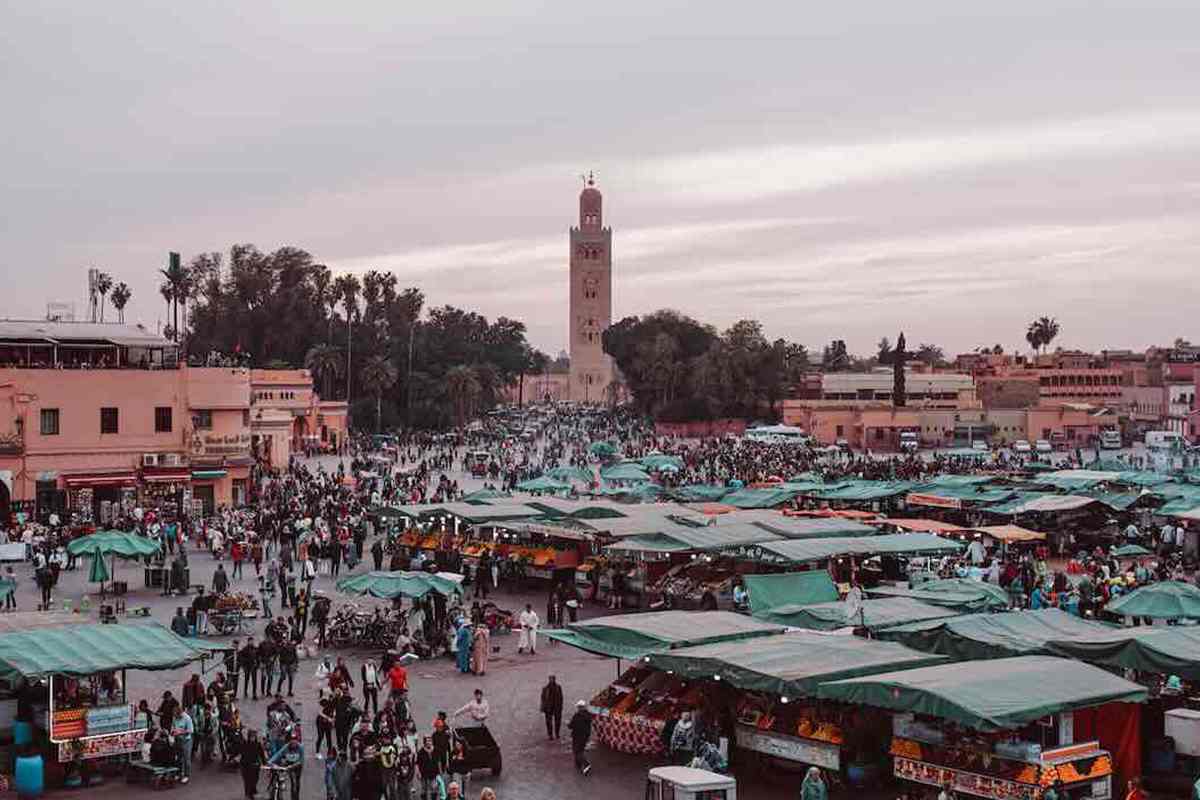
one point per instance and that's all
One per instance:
(11, 444)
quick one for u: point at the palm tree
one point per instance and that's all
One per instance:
(346, 289)
(324, 361)
(462, 387)
(104, 282)
(376, 376)
(176, 278)
(1041, 332)
(120, 298)
(168, 294)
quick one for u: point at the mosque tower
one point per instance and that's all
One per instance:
(591, 299)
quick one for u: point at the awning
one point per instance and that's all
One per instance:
(208, 474)
(166, 474)
(1046, 503)
(790, 664)
(636, 635)
(100, 479)
(768, 592)
(821, 528)
(923, 525)
(1162, 600)
(1011, 533)
(805, 551)
(87, 649)
(961, 602)
(1165, 651)
(873, 615)
(1004, 694)
(983, 636)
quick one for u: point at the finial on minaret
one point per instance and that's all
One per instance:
(589, 179)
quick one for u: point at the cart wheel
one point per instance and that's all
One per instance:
(496, 766)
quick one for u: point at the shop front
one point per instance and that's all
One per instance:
(166, 489)
(102, 497)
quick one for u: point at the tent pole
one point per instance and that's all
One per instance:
(618, 666)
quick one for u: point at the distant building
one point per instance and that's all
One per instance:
(590, 300)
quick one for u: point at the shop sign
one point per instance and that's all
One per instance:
(965, 782)
(103, 746)
(792, 748)
(932, 500)
(234, 444)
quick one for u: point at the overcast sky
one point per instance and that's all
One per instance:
(836, 170)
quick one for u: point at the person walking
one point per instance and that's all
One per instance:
(528, 620)
(477, 711)
(581, 731)
(406, 765)
(377, 554)
(289, 661)
(182, 729)
(251, 758)
(220, 580)
(480, 649)
(237, 554)
(552, 707)
(370, 686)
(813, 786)
(248, 665)
(428, 769)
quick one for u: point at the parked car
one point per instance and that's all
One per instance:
(980, 444)
(1044, 446)
(1021, 446)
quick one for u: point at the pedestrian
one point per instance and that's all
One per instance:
(459, 771)
(581, 731)
(487, 794)
(477, 710)
(463, 641)
(481, 649)
(377, 554)
(370, 686)
(528, 620)
(552, 707)
(388, 755)
(406, 765)
(289, 661)
(324, 721)
(182, 729)
(248, 664)
(428, 768)
(813, 786)
(251, 758)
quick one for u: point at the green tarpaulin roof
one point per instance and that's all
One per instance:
(649, 543)
(865, 490)
(801, 551)
(386, 585)
(636, 635)
(118, 543)
(966, 493)
(706, 538)
(656, 461)
(476, 514)
(1117, 501)
(1004, 694)
(758, 498)
(89, 648)
(1129, 551)
(627, 471)
(957, 480)
(699, 493)
(996, 594)
(1163, 600)
(571, 474)
(789, 588)
(1047, 503)
(485, 496)
(791, 664)
(983, 636)
(875, 614)
(816, 528)
(543, 484)
(1166, 651)
(964, 602)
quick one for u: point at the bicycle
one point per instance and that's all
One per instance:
(275, 783)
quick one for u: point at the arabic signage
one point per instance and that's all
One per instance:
(792, 748)
(986, 786)
(233, 444)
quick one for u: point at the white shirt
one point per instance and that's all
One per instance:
(478, 711)
(529, 619)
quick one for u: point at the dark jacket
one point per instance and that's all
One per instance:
(248, 658)
(580, 727)
(427, 764)
(552, 698)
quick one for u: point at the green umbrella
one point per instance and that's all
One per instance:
(1164, 600)
(571, 474)
(99, 572)
(602, 449)
(1130, 551)
(543, 484)
(117, 544)
(387, 585)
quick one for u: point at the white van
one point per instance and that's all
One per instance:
(1164, 440)
(909, 441)
(685, 783)
(1110, 440)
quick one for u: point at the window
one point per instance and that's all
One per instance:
(841, 430)
(245, 418)
(162, 419)
(201, 419)
(49, 422)
(108, 420)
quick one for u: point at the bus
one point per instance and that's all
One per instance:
(1164, 440)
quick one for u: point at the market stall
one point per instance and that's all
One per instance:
(843, 554)
(983, 636)
(77, 675)
(869, 615)
(1164, 600)
(963, 595)
(1005, 729)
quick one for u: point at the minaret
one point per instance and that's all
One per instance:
(591, 299)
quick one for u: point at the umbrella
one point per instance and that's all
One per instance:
(668, 468)
(602, 449)
(628, 471)
(571, 474)
(1129, 551)
(483, 495)
(117, 544)
(543, 484)
(386, 585)
(1164, 600)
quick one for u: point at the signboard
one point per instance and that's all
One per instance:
(965, 782)
(932, 500)
(103, 746)
(233, 444)
(792, 748)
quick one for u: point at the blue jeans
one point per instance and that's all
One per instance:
(185, 755)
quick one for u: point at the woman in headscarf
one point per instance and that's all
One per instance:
(463, 646)
(480, 649)
(813, 787)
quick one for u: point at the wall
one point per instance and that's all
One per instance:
(1008, 392)
(700, 429)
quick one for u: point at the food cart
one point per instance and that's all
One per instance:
(1003, 729)
(77, 676)
(685, 783)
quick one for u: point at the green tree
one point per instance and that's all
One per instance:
(1041, 332)
(377, 375)
(835, 356)
(930, 354)
(899, 389)
(120, 298)
(104, 282)
(462, 389)
(325, 363)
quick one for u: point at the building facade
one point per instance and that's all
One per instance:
(590, 303)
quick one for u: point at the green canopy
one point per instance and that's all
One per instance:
(628, 471)
(89, 648)
(386, 585)
(1166, 651)
(1163, 600)
(789, 588)
(543, 484)
(649, 543)
(758, 498)
(114, 543)
(1117, 501)
(99, 572)
(1129, 551)
(571, 474)
(485, 495)
(865, 491)
(1004, 694)
(656, 461)
(984, 636)
(873, 615)
(1045, 503)
(790, 664)
(602, 449)
(393, 512)
(804, 551)
(964, 602)
(699, 493)
(816, 528)
(636, 635)
(998, 598)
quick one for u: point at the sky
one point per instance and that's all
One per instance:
(836, 170)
